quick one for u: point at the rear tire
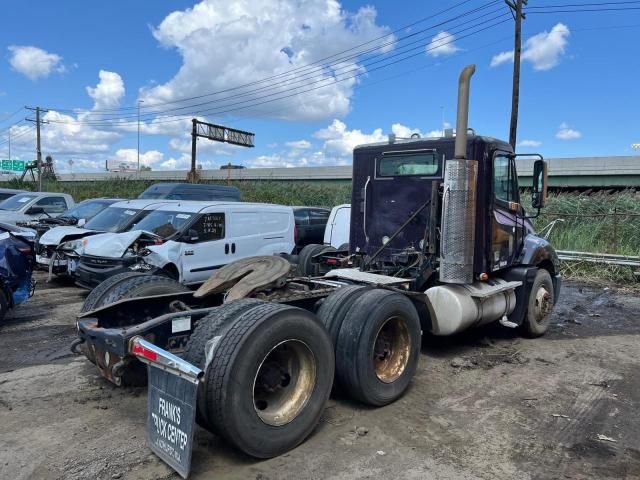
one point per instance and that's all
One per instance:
(334, 308)
(141, 286)
(378, 347)
(540, 305)
(93, 300)
(206, 329)
(305, 265)
(4, 303)
(269, 379)
(132, 286)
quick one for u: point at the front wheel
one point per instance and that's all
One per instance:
(539, 307)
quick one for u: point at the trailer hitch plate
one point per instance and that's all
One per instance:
(244, 277)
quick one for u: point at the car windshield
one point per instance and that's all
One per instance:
(16, 202)
(113, 219)
(163, 223)
(86, 210)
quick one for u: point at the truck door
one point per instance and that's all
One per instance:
(400, 186)
(204, 249)
(507, 219)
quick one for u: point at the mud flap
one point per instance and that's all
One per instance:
(171, 418)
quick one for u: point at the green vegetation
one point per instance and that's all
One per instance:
(608, 223)
(317, 193)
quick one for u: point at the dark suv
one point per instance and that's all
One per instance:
(310, 225)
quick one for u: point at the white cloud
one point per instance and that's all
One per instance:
(109, 91)
(502, 57)
(340, 142)
(442, 45)
(543, 50)
(272, 161)
(565, 132)
(130, 156)
(226, 44)
(299, 144)
(529, 143)
(33, 62)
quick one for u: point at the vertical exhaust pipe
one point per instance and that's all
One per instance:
(459, 198)
(462, 120)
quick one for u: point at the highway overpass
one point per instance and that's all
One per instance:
(580, 172)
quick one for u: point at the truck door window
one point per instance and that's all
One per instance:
(52, 204)
(405, 165)
(210, 226)
(504, 179)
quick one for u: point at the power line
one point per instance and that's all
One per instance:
(583, 4)
(332, 80)
(11, 115)
(19, 135)
(582, 10)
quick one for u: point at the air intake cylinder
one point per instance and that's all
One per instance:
(458, 221)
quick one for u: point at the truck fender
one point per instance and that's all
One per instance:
(537, 251)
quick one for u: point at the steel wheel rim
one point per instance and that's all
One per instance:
(543, 304)
(284, 382)
(392, 348)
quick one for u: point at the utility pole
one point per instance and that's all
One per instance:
(9, 143)
(518, 16)
(139, 102)
(38, 122)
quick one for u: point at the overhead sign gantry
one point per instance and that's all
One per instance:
(217, 133)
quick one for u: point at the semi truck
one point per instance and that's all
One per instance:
(439, 242)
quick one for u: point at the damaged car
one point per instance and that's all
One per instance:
(78, 215)
(59, 248)
(186, 241)
(16, 266)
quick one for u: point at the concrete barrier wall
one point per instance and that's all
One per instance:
(558, 167)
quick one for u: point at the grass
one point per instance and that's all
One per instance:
(317, 193)
(589, 224)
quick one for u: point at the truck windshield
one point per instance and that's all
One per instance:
(113, 219)
(16, 202)
(404, 165)
(163, 223)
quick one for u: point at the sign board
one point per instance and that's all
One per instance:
(13, 165)
(171, 414)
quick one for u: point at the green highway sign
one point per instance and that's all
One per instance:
(13, 165)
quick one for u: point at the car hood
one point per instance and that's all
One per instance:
(56, 235)
(113, 245)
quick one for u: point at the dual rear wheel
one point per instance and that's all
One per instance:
(270, 368)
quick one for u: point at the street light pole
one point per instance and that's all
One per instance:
(139, 102)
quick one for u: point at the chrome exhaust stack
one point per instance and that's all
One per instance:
(459, 198)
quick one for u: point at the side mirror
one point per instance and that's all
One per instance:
(81, 222)
(35, 210)
(539, 190)
(192, 235)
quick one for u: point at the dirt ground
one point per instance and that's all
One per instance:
(487, 404)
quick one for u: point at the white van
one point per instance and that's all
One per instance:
(336, 233)
(63, 244)
(188, 240)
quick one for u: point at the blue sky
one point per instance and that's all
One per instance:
(578, 94)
